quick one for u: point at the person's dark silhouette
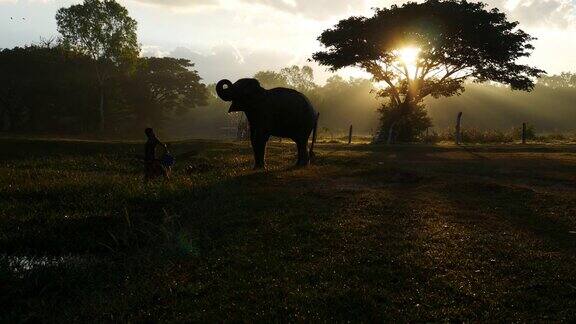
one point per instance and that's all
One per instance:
(153, 167)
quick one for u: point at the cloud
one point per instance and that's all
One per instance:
(317, 9)
(227, 61)
(230, 62)
(314, 9)
(530, 13)
(537, 13)
(179, 6)
(179, 3)
(557, 13)
(154, 51)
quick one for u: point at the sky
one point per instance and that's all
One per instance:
(236, 38)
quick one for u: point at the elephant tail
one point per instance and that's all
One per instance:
(314, 135)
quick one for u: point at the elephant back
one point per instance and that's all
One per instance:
(291, 113)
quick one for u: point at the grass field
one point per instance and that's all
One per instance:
(405, 233)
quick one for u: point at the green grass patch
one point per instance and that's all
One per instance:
(367, 233)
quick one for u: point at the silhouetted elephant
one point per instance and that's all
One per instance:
(277, 112)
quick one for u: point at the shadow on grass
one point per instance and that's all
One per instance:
(520, 207)
(259, 246)
(347, 239)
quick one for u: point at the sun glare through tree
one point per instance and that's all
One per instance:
(444, 52)
(408, 55)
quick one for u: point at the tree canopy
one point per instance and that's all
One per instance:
(271, 79)
(104, 31)
(48, 88)
(562, 80)
(101, 29)
(450, 40)
(45, 87)
(300, 78)
(163, 86)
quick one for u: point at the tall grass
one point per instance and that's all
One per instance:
(493, 136)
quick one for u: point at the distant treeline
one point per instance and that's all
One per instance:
(340, 102)
(549, 108)
(48, 89)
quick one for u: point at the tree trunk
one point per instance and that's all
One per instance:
(101, 107)
(523, 133)
(458, 134)
(2, 119)
(6, 106)
(5, 121)
(12, 119)
(391, 133)
(100, 78)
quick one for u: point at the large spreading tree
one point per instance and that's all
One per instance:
(429, 49)
(162, 87)
(104, 31)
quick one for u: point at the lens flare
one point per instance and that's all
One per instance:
(408, 55)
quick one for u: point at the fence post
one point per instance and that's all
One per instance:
(523, 133)
(458, 134)
(350, 136)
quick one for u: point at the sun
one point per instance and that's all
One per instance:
(408, 55)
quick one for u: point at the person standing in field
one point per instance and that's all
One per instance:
(153, 167)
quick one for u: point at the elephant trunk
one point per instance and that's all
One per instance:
(225, 93)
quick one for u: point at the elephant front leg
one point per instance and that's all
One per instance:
(259, 147)
(303, 157)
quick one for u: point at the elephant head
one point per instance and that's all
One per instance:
(243, 93)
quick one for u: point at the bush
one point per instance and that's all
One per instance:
(408, 125)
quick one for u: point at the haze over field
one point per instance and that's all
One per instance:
(239, 38)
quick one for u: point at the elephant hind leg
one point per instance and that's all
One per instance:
(303, 157)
